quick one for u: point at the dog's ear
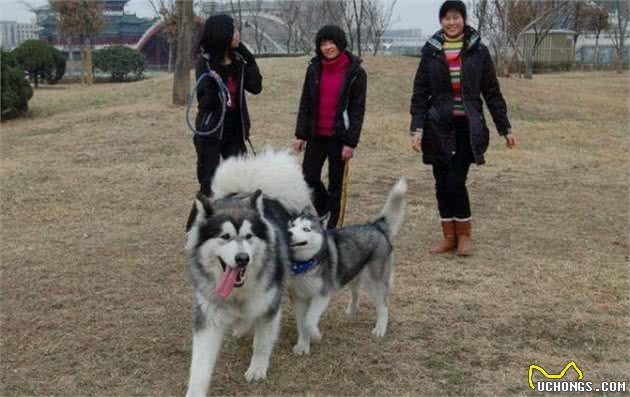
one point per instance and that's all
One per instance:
(202, 207)
(257, 201)
(324, 220)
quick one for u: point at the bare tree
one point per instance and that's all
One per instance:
(183, 64)
(309, 20)
(539, 17)
(166, 11)
(505, 23)
(598, 24)
(312, 16)
(70, 65)
(481, 15)
(333, 12)
(586, 16)
(207, 8)
(237, 12)
(492, 18)
(259, 26)
(359, 18)
(347, 17)
(289, 14)
(378, 16)
(620, 30)
(578, 12)
(82, 19)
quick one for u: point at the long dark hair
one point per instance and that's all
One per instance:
(216, 38)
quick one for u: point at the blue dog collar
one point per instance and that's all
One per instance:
(298, 268)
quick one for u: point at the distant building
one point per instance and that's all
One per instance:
(606, 52)
(121, 28)
(12, 33)
(8, 34)
(402, 41)
(558, 48)
(554, 50)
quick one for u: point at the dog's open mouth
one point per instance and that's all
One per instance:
(230, 279)
(240, 277)
(300, 244)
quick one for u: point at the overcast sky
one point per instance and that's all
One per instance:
(409, 13)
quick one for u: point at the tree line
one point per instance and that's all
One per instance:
(505, 22)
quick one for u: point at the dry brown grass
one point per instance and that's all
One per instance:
(97, 182)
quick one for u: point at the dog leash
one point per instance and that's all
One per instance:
(224, 98)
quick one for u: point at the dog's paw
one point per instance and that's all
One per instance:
(316, 335)
(302, 348)
(256, 372)
(379, 330)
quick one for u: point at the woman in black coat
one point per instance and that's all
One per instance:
(222, 52)
(448, 124)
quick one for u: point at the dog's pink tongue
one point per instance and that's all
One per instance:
(227, 282)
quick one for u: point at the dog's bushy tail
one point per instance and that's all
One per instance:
(394, 209)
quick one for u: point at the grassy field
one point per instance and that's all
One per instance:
(97, 182)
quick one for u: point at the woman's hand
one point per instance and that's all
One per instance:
(416, 142)
(346, 153)
(510, 141)
(298, 145)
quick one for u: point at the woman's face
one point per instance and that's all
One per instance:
(236, 37)
(453, 24)
(329, 49)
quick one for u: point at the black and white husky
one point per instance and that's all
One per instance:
(327, 260)
(238, 253)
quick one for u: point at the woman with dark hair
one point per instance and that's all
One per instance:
(448, 124)
(330, 118)
(221, 51)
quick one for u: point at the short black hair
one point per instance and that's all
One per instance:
(453, 5)
(333, 33)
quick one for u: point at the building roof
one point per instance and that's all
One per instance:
(117, 25)
(554, 31)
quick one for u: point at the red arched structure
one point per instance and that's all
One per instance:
(154, 46)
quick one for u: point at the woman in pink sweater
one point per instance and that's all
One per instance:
(330, 118)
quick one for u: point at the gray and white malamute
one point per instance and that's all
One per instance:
(238, 253)
(327, 260)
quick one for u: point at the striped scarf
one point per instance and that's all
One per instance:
(452, 50)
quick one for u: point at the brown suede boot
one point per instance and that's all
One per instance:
(464, 242)
(449, 242)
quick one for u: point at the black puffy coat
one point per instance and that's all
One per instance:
(250, 80)
(432, 101)
(351, 108)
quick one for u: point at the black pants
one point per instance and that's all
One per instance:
(450, 179)
(317, 150)
(210, 150)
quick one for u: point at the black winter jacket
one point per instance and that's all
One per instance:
(432, 101)
(250, 80)
(351, 108)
